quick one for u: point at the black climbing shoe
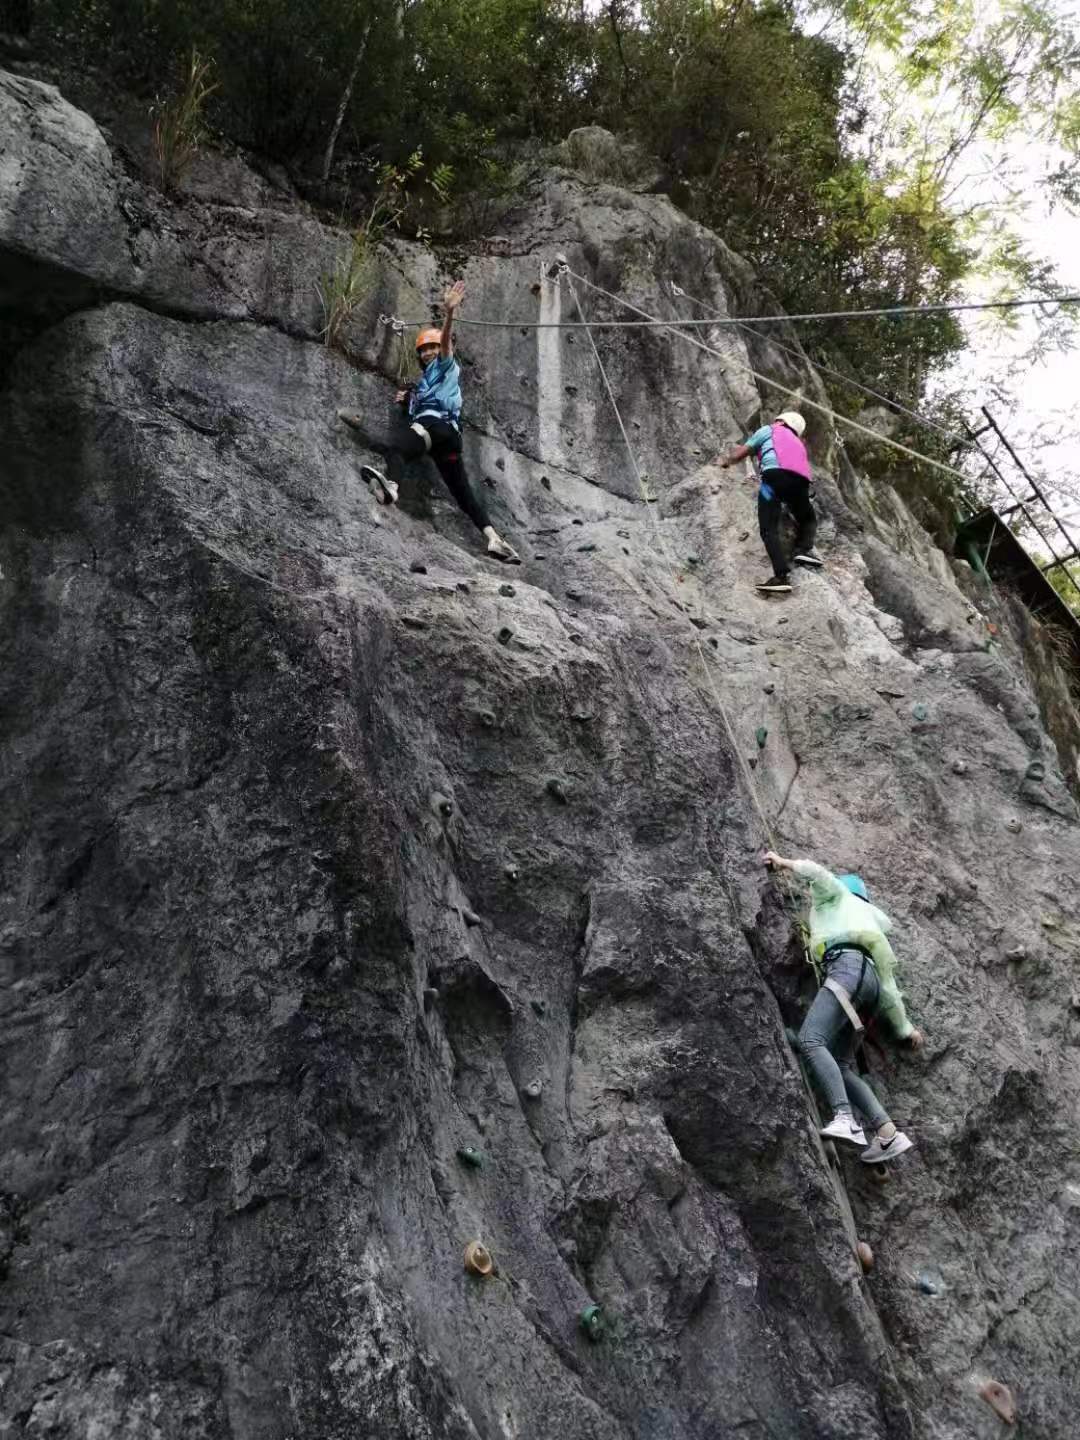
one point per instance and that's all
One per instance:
(811, 558)
(385, 490)
(775, 585)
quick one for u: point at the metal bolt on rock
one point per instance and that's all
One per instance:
(478, 1259)
(534, 1089)
(556, 790)
(441, 804)
(959, 767)
(512, 873)
(505, 635)
(1035, 771)
(508, 591)
(1014, 827)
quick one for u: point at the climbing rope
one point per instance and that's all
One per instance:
(565, 273)
(803, 400)
(1043, 302)
(397, 329)
(962, 441)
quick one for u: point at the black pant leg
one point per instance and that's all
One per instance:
(446, 452)
(409, 446)
(769, 512)
(802, 509)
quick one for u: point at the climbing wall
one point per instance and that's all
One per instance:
(366, 903)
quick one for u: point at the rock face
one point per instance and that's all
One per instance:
(328, 856)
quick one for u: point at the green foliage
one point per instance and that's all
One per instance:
(842, 178)
(342, 288)
(1066, 581)
(179, 124)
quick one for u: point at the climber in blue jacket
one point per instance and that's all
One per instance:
(848, 940)
(433, 405)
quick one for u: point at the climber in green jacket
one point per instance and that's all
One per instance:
(848, 939)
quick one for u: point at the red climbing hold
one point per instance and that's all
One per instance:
(999, 1398)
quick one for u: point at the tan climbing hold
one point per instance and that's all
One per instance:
(866, 1256)
(478, 1259)
(999, 1398)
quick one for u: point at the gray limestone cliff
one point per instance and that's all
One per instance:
(330, 850)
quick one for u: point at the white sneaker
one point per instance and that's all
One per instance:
(386, 491)
(809, 557)
(499, 549)
(844, 1126)
(878, 1151)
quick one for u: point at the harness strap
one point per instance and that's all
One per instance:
(845, 1002)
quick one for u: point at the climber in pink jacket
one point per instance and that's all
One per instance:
(784, 472)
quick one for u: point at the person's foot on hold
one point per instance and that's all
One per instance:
(386, 491)
(775, 585)
(350, 418)
(880, 1150)
(498, 548)
(844, 1126)
(809, 557)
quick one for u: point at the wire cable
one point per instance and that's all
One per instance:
(951, 307)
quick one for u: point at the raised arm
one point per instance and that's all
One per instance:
(451, 300)
(823, 882)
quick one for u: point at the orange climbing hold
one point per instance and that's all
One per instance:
(999, 1398)
(478, 1259)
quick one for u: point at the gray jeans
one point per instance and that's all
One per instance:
(828, 1039)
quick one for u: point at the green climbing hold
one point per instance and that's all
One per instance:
(1035, 771)
(761, 735)
(591, 1321)
(920, 711)
(473, 1158)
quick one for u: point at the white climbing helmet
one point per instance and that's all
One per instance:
(793, 420)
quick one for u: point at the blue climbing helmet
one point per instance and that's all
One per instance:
(856, 885)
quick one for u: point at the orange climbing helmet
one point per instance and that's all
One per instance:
(428, 337)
